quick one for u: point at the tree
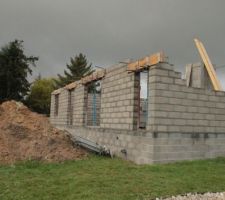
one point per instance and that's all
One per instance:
(77, 69)
(14, 69)
(39, 98)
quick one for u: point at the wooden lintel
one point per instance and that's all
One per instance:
(147, 61)
(99, 74)
(72, 85)
(58, 91)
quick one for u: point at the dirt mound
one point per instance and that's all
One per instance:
(25, 135)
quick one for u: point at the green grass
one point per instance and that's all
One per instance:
(105, 178)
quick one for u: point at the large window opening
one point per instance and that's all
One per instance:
(143, 100)
(93, 103)
(70, 106)
(56, 106)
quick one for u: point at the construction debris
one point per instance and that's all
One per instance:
(25, 135)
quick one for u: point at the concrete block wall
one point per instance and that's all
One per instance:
(173, 107)
(143, 112)
(119, 102)
(119, 99)
(64, 109)
(80, 94)
(52, 109)
(199, 77)
(188, 123)
(184, 123)
(62, 117)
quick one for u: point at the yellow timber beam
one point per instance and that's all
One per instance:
(147, 62)
(208, 64)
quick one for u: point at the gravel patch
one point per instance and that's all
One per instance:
(206, 196)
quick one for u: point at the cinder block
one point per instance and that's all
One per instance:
(167, 80)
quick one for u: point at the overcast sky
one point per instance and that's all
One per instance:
(109, 31)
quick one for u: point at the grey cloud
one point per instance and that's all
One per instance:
(108, 31)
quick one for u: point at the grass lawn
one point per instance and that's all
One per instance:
(103, 178)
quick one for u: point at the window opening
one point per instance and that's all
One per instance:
(56, 104)
(93, 103)
(70, 106)
(143, 99)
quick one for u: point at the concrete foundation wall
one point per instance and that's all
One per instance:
(146, 148)
(172, 147)
(138, 145)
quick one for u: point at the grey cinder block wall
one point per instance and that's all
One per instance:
(188, 123)
(177, 108)
(184, 123)
(119, 99)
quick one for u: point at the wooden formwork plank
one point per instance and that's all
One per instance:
(72, 85)
(208, 64)
(146, 62)
(58, 91)
(94, 76)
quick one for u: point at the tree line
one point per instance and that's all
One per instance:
(16, 67)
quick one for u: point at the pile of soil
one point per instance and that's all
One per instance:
(25, 135)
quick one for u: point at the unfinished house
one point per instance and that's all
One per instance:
(165, 119)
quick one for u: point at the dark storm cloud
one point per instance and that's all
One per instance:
(108, 31)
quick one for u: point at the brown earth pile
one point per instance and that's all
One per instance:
(25, 135)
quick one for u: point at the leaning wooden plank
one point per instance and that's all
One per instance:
(208, 64)
(212, 68)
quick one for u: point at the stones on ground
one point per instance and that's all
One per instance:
(206, 196)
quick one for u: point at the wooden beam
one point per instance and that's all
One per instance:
(99, 74)
(208, 64)
(58, 91)
(72, 85)
(147, 61)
